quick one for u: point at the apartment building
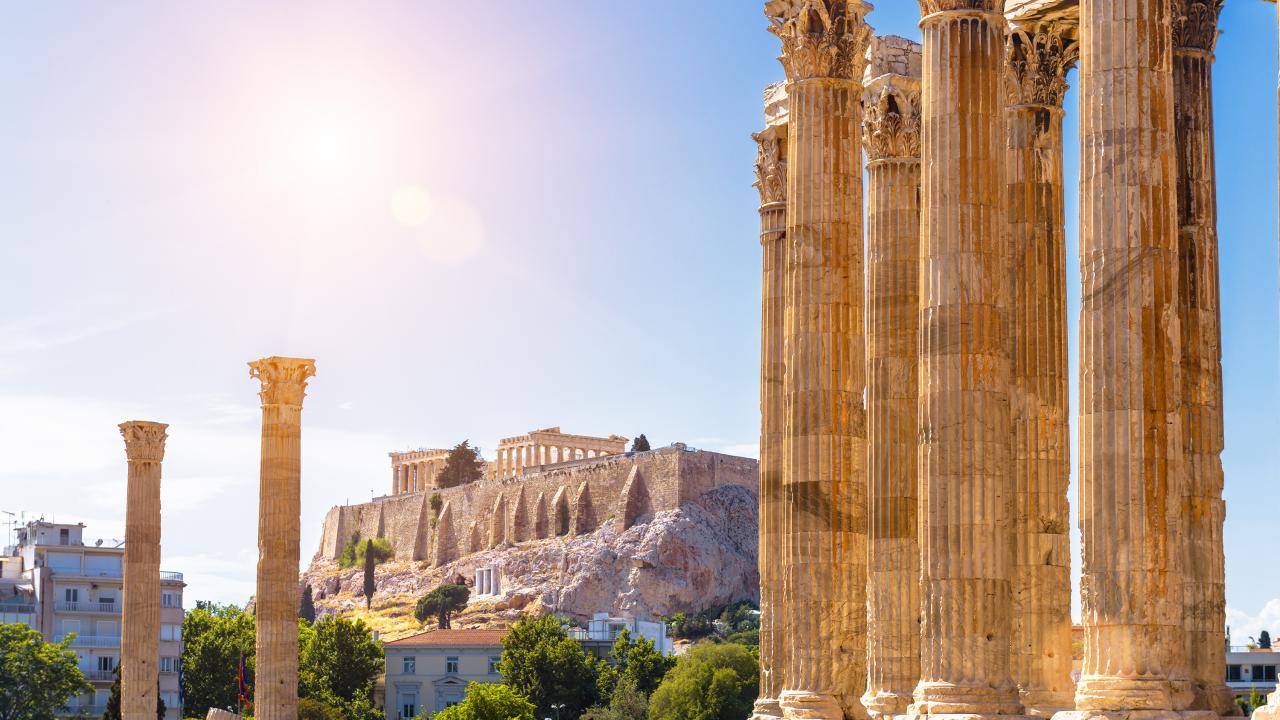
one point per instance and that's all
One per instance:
(61, 583)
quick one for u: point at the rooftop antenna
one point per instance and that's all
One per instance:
(11, 522)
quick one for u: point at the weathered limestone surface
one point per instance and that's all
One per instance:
(1037, 61)
(1195, 33)
(824, 454)
(966, 482)
(140, 624)
(1131, 451)
(284, 383)
(771, 181)
(891, 137)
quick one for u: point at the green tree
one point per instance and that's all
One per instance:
(542, 663)
(370, 583)
(640, 444)
(307, 605)
(487, 701)
(113, 700)
(214, 637)
(36, 677)
(311, 709)
(441, 604)
(626, 703)
(710, 682)
(354, 552)
(636, 662)
(338, 661)
(462, 466)
(1264, 640)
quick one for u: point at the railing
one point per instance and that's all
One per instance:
(88, 711)
(89, 607)
(99, 675)
(97, 641)
(167, 575)
(18, 609)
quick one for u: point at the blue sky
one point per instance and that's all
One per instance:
(480, 219)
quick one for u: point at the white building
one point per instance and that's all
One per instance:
(1250, 671)
(59, 583)
(603, 631)
(430, 672)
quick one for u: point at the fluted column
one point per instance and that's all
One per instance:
(771, 181)
(284, 382)
(1038, 59)
(824, 444)
(891, 137)
(1131, 479)
(140, 624)
(395, 479)
(966, 479)
(1195, 34)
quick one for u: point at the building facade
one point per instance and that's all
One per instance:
(603, 631)
(429, 672)
(63, 584)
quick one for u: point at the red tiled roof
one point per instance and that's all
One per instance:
(452, 638)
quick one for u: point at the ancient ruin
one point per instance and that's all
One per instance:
(284, 384)
(966, 420)
(140, 624)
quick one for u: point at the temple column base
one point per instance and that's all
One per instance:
(885, 705)
(766, 709)
(1045, 704)
(800, 705)
(1219, 699)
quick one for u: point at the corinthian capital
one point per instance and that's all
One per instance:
(891, 121)
(1195, 24)
(821, 38)
(929, 7)
(1037, 60)
(143, 440)
(284, 380)
(771, 168)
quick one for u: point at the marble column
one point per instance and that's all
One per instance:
(966, 478)
(771, 182)
(1195, 34)
(395, 480)
(1038, 59)
(891, 137)
(1131, 457)
(824, 552)
(140, 623)
(284, 382)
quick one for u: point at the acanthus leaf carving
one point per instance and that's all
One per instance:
(821, 38)
(1195, 24)
(1037, 61)
(929, 7)
(771, 169)
(891, 124)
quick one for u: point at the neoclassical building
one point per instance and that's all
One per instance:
(915, 455)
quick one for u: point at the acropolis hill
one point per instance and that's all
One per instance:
(582, 535)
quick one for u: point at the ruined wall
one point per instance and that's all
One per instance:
(567, 499)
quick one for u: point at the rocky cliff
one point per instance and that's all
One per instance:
(698, 556)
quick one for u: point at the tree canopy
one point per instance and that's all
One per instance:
(626, 703)
(36, 677)
(640, 444)
(307, 605)
(462, 466)
(636, 661)
(487, 701)
(214, 637)
(441, 604)
(710, 682)
(542, 663)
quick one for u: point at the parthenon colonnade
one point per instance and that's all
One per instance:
(284, 383)
(140, 623)
(977, 419)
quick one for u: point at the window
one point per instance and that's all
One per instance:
(1233, 673)
(169, 631)
(410, 665)
(170, 699)
(493, 664)
(64, 537)
(71, 595)
(171, 600)
(1265, 673)
(106, 663)
(107, 628)
(169, 664)
(408, 704)
(451, 665)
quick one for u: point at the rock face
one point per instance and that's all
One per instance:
(690, 559)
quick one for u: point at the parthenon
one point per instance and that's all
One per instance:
(941, 492)
(417, 470)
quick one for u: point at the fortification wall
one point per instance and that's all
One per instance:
(567, 499)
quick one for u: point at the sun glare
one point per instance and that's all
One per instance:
(324, 148)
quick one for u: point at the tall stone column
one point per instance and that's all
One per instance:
(1195, 35)
(140, 624)
(771, 181)
(966, 479)
(891, 137)
(1038, 59)
(284, 383)
(1131, 456)
(824, 550)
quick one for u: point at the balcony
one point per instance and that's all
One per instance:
(82, 711)
(110, 608)
(6, 608)
(99, 675)
(167, 575)
(92, 641)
